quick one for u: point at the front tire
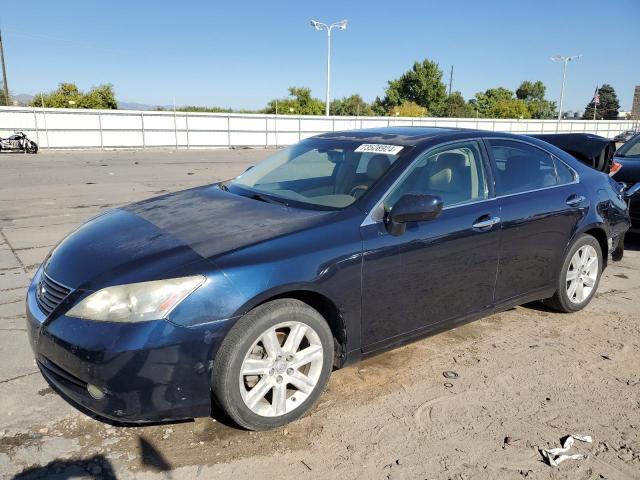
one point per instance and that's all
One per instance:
(273, 365)
(579, 277)
(31, 147)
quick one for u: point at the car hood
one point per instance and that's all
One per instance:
(169, 236)
(630, 171)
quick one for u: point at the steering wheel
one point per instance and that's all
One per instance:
(354, 191)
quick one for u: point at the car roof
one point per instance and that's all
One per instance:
(409, 136)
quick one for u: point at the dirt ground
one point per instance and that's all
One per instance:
(527, 375)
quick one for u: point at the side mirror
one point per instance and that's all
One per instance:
(632, 191)
(412, 207)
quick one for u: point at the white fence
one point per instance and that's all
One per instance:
(77, 128)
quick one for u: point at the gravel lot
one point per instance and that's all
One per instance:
(528, 373)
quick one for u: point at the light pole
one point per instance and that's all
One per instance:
(342, 25)
(4, 73)
(565, 59)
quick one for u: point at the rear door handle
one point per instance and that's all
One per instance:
(485, 222)
(575, 200)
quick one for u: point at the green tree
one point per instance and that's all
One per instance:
(509, 108)
(192, 108)
(421, 85)
(532, 93)
(379, 108)
(4, 101)
(543, 109)
(408, 109)
(351, 106)
(456, 107)
(485, 101)
(67, 95)
(299, 102)
(608, 107)
(102, 97)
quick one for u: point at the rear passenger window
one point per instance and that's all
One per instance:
(521, 167)
(565, 174)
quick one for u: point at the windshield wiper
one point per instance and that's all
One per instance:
(256, 196)
(264, 198)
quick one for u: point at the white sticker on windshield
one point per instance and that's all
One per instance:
(379, 148)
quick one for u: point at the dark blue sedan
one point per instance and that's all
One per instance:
(244, 295)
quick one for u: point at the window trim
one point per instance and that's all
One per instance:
(376, 214)
(553, 157)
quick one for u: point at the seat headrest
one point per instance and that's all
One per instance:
(378, 164)
(451, 160)
(448, 168)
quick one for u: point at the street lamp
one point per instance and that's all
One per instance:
(342, 25)
(565, 59)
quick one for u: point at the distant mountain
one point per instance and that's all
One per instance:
(141, 106)
(22, 98)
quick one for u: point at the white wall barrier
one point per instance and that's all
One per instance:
(63, 128)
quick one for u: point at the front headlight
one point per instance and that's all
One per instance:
(136, 302)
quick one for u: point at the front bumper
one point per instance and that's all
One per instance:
(149, 371)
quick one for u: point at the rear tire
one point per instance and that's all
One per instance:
(579, 276)
(273, 365)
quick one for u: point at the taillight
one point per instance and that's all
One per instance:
(615, 168)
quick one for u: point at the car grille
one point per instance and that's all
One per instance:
(50, 294)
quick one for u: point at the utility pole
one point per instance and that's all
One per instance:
(4, 72)
(450, 80)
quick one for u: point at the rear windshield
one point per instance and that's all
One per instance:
(322, 173)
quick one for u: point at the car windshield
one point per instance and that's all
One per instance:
(318, 173)
(630, 149)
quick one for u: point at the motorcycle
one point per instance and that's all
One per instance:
(18, 142)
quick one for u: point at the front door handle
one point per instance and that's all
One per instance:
(576, 200)
(485, 223)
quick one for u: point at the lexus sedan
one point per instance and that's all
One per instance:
(242, 296)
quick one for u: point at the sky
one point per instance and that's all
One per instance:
(241, 54)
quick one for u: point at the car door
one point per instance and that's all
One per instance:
(438, 270)
(541, 202)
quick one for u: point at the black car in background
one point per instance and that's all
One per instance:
(592, 150)
(625, 136)
(628, 156)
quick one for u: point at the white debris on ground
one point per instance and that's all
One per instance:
(555, 456)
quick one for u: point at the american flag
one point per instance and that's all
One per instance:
(596, 97)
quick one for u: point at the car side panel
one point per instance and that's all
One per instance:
(325, 260)
(436, 272)
(536, 228)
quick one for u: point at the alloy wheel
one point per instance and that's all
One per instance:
(582, 274)
(281, 369)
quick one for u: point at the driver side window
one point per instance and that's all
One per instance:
(455, 173)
